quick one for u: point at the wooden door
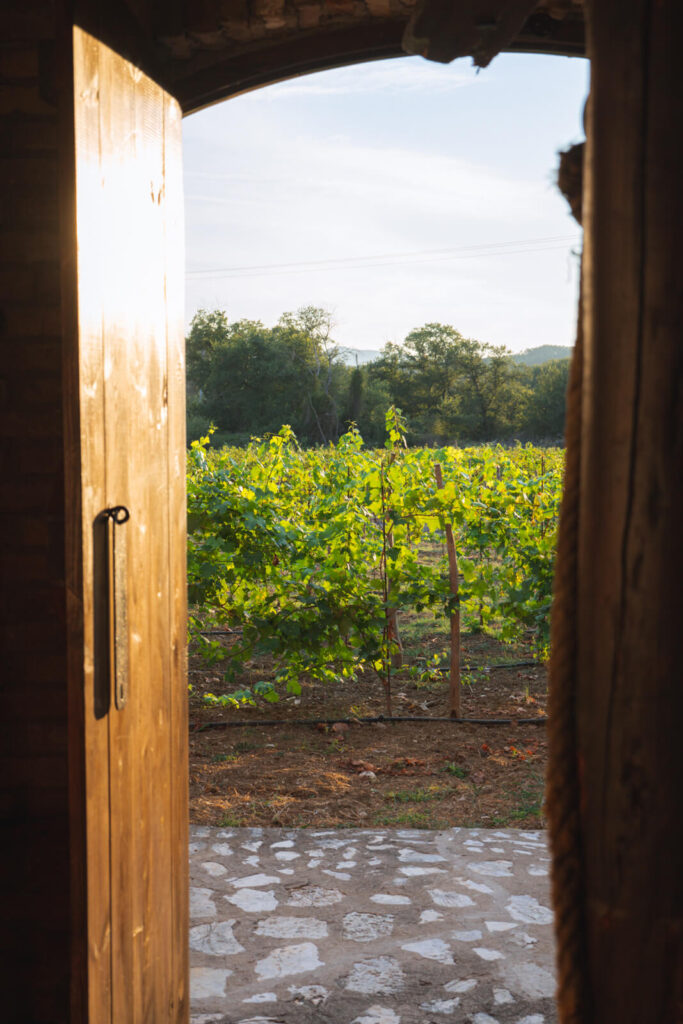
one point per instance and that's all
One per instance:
(132, 454)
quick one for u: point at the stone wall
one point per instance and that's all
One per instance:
(229, 24)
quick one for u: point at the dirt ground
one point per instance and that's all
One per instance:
(410, 774)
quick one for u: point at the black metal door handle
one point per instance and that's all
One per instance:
(117, 601)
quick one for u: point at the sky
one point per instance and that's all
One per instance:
(393, 194)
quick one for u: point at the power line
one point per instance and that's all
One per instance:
(396, 263)
(528, 245)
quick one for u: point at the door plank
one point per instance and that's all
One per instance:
(137, 249)
(91, 398)
(136, 474)
(117, 156)
(175, 290)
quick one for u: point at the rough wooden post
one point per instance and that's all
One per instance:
(454, 674)
(393, 631)
(630, 548)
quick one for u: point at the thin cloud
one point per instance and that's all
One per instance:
(406, 75)
(325, 188)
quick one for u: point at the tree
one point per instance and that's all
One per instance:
(208, 331)
(251, 379)
(308, 332)
(421, 375)
(548, 399)
(453, 387)
(491, 395)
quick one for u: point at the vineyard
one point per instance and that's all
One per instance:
(311, 560)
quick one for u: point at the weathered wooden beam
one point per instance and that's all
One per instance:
(442, 30)
(630, 545)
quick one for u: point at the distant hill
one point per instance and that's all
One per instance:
(351, 356)
(542, 354)
(529, 357)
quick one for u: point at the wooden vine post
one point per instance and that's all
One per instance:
(393, 631)
(454, 675)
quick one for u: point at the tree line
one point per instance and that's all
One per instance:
(248, 380)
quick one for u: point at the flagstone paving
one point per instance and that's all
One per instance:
(370, 927)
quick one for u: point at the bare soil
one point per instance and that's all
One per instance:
(422, 774)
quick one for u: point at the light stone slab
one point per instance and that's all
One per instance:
(214, 869)
(259, 1020)
(440, 1005)
(215, 939)
(366, 927)
(488, 954)
(528, 910)
(378, 1015)
(222, 849)
(501, 996)
(390, 899)
(201, 902)
(431, 949)
(523, 939)
(292, 928)
(380, 976)
(450, 899)
(530, 980)
(467, 883)
(253, 881)
(253, 901)
(461, 986)
(429, 916)
(288, 960)
(417, 856)
(208, 982)
(413, 871)
(493, 868)
(314, 896)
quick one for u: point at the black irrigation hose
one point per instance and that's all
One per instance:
(201, 726)
(491, 668)
(513, 664)
(468, 668)
(220, 632)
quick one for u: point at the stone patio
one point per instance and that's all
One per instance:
(366, 926)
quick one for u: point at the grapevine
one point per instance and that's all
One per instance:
(312, 555)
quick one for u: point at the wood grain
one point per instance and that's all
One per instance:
(91, 484)
(124, 234)
(630, 701)
(175, 289)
